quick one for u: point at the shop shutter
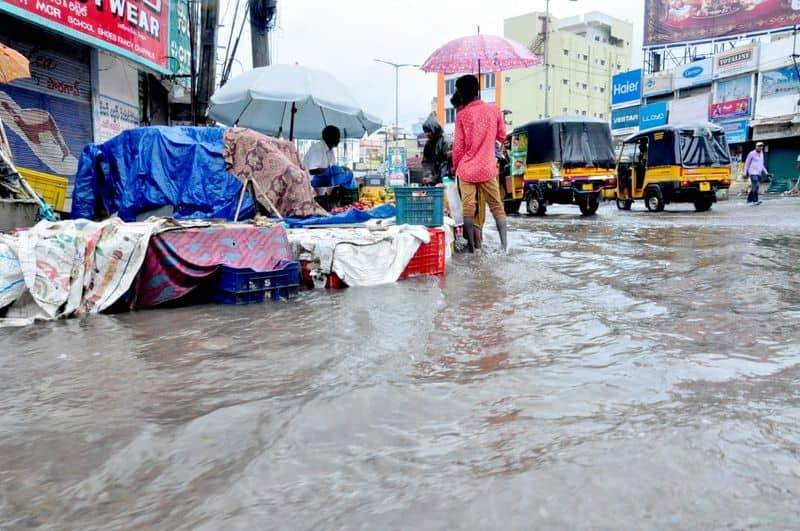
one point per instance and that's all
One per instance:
(48, 117)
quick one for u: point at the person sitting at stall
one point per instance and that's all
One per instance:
(320, 162)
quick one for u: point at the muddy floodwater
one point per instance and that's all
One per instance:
(631, 371)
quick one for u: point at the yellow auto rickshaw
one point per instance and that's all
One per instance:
(674, 164)
(565, 160)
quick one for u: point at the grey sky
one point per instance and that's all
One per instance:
(344, 37)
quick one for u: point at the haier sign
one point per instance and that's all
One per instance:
(626, 88)
(653, 115)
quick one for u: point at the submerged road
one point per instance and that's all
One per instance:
(629, 371)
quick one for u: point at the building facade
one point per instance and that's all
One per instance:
(491, 92)
(585, 51)
(94, 73)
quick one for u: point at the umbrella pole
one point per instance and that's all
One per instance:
(291, 123)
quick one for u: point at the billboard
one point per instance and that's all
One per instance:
(626, 88)
(138, 30)
(689, 110)
(626, 119)
(730, 109)
(734, 88)
(658, 83)
(693, 74)
(736, 130)
(736, 61)
(653, 115)
(779, 82)
(679, 21)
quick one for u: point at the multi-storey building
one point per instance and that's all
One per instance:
(491, 92)
(585, 51)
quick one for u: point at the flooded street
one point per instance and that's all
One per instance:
(635, 370)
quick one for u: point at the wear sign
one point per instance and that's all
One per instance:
(627, 118)
(653, 115)
(693, 74)
(137, 29)
(735, 61)
(626, 88)
(730, 109)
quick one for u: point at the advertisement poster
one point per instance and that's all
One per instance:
(626, 88)
(519, 153)
(657, 84)
(736, 130)
(735, 88)
(397, 166)
(46, 134)
(653, 115)
(732, 62)
(678, 21)
(730, 109)
(113, 117)
(137, 29)
(626, 119)
(779, 82)
(693, 74)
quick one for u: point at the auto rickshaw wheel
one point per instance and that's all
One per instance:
(512, 207)
(624, 204)
(535, 205)
(589, 205)
(703, 203)
(653, 201)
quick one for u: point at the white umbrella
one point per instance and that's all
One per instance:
(290, 99)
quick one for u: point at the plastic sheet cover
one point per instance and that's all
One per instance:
(147, 168)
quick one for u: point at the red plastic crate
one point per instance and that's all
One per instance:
(429, 258)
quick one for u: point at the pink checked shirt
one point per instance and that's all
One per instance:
(478, 126)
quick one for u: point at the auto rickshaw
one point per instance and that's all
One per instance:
(565, 160)
(685, 163)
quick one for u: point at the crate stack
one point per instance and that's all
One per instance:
(423, 206)
(247, 286)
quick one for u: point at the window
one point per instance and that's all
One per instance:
(601, 116)
(450, 116)
(584, 86)
(603, 62)
(563, 110)
(577, 84)
(602, 89)
(566, 52)
(540, 116)
(585, 57)
(565, 81)
(488, 80)
(577, 112)
(449, 86)
(583, 113)
(619, 66)
(597, 38)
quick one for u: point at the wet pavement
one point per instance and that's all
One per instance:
(632, 371)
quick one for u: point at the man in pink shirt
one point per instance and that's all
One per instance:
(478, 126)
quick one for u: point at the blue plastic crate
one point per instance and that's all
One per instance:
(246, 286)
(420, 205)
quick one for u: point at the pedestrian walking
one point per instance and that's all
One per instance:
(754, 168)
(478, 126)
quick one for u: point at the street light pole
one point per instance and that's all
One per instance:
(397, 67)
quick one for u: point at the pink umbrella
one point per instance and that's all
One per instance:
(476, 52)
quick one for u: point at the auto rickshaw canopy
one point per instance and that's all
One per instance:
(692, 145)
(574, 141)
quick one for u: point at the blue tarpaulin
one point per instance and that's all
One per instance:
(345, 218)
(151, 167)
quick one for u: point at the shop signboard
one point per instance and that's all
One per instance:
(780, 82)
(730, 109)
(735, 130)
(138, 30)
(679, 21)
(734, 88)
(689, 110)
(397, 166)
(656, 84)
(624, 120)
(626, 88)
(693, 74)
(180, 54)
(653, 115)
(736, 61)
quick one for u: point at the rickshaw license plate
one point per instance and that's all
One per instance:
(705, 187)
(587, 187)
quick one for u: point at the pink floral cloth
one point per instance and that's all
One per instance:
(275, 167)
